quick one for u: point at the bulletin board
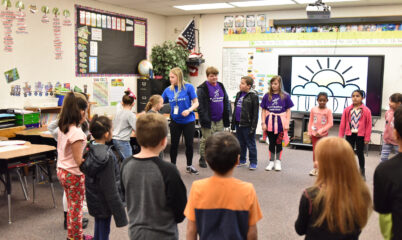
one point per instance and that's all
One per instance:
(108, 43)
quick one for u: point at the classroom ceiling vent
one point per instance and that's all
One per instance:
(318, 10)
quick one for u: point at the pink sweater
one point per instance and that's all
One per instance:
(320, 122)
(389, 128)
(364, 123)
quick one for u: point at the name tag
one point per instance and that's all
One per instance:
(176, 110)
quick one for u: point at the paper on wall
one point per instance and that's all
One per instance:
(96, 34)
(104, 22)
(100, 91)
(116, 91)
(93, 64)
(98, 20)
(82, 17)
(93, 19)
(93, 48)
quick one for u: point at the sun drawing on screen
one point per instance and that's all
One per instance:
(334, 78)
(326, 76)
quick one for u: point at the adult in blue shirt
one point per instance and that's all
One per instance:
(183, 100)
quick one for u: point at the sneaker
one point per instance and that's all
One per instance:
(253, 166)
(270, 166)
(313, 172)
(202, 163)
(191, 169)
(85, 222)
(241, 164)
(87, 237)
(278, 166)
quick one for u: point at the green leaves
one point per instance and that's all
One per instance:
(167, 56)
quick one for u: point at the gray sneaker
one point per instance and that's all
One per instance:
(191, 169)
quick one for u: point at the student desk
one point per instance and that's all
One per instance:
(36, 136)
(30, 154)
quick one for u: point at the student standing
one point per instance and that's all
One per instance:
(71, 141)
(221, 206)
(320, 122)
(154, 104)
(214, 109)
(338, 206)
(53, 128)
(275, 117)
(124, 125)
(155, 194)
(390, 144)
(244, 120)
(387, 183)
(183, 100)
(356, 125)
(100, 180)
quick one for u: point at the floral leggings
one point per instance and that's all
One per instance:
(74, 187)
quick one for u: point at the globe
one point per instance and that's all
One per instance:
(144, 66)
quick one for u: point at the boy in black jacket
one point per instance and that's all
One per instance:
(102, 193)
(388, 183)
(155, 194)
(245, 119)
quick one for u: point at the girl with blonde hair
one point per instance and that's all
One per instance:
(183, 101)
(339, 204)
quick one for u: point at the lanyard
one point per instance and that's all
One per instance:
(176, 94)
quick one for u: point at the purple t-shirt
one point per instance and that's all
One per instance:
(276, 105)
(239, 105)
(216, 96)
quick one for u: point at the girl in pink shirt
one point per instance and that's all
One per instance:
(320, 122)
(356, 125)
(390, 143)
(71, 141)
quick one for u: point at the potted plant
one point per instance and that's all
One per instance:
(169, 55)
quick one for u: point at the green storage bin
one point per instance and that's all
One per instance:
(26, 119)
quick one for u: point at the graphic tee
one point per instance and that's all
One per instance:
(239, 105)
(182, 99)
(276, 105)
(216, 96)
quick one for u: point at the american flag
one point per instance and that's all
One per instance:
(187, 37)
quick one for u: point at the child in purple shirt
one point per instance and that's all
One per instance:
(275, 118)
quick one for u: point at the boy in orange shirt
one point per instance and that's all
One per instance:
(221, 206)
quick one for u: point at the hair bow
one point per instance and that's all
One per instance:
(131, 94)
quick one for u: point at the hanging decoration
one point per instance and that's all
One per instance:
(45, 10)
(32, 8)
(7, 17)
(20, 16)
(57, 34)
(66, 20)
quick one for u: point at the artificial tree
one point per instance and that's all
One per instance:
(169, 55)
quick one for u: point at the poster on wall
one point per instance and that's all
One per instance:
(100, 91)
(116, 91)
(12, 75)
(228, 21)
(239, 21)
(337, 76)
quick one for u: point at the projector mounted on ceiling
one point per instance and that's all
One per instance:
(318, 10)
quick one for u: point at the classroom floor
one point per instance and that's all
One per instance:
(278, 193)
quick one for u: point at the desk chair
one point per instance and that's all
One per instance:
(18, 168)
(38, 173)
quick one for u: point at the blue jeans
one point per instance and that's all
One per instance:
(246, 141)
(102, 228)
(123, 147)
(387, 149)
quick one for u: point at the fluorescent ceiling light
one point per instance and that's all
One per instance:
(261, 3)
(324, 1)
(204, 6)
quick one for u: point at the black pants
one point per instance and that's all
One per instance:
(188, 130)
(359, 142)
(274, 146)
